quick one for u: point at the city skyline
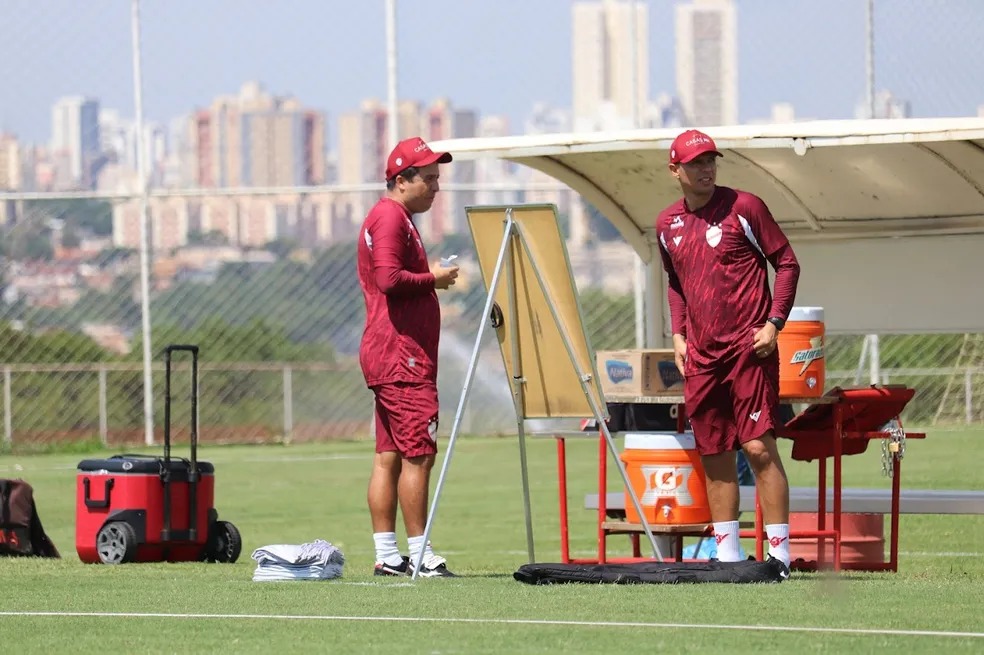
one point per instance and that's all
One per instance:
(936, 71)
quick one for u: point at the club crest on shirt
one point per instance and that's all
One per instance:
(677, 223)
(713, 236)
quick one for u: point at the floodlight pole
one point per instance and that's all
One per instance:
(143, 182)
(870, 58)
(392, 110)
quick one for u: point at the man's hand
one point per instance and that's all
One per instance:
(679, 351)
(765, 340)
(444, 276)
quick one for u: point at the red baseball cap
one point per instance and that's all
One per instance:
(413, 152)
(690, 145)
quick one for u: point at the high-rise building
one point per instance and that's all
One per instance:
(364, 145)
(11, 168)
(75, 137)
(886, 105)
(491, 172)
(447, 214)
(610, 41)
(707, 61)
(257, 140)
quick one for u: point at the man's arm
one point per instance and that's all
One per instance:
(775, 247)
(678, 309)
(389, 243)
(787, 277)
(674, 296)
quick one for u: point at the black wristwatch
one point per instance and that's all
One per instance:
(778, 322)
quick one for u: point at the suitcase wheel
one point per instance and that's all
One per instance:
(224, 544)
(116, 543)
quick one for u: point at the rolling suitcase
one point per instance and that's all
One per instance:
(140, 508)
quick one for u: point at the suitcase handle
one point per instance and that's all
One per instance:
(193, 464)
(98, 504)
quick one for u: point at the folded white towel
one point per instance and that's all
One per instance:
(317, 560)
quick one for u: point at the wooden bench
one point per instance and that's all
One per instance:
(801, 499)
(860, 501)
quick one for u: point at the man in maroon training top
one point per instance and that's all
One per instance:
(716, 243)
(399, 354)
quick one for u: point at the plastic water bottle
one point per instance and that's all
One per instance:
(448, 262)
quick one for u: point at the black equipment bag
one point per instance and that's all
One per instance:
(744, 572)
(21, 532)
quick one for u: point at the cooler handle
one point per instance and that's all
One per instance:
(98, 504)
(193, 464)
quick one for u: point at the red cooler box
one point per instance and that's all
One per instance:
(121, 504)
(140, 508)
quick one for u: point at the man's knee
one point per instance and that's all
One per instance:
(762, 453)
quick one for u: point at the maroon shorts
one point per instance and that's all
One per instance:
(734, 403)
(406, 418)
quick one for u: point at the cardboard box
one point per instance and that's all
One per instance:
(638, 372)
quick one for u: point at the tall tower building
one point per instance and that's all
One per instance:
(256, 139)
(75, 136)
(11, 168)
(363, 146)
(610, 40)
(707, 61)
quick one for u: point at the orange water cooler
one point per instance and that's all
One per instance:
(801, 353)
(667, 477)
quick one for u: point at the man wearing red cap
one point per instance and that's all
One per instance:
(398, 354)
(716, 244)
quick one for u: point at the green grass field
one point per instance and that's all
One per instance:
(293, 494)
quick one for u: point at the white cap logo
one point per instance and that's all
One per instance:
(399, 161)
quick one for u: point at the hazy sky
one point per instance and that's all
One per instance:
(498, 57)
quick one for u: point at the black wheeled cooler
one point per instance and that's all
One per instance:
(143, 508)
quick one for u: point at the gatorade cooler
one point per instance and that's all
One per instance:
(666, 475)
(801, 353)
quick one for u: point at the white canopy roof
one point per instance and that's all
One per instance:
(825, 181)
(821, 179)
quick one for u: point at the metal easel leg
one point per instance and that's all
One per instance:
(595, 408)
(469, 375)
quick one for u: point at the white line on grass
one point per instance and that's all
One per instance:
(598, 624)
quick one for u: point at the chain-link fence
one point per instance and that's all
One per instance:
(255, 192)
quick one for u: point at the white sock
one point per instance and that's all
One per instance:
(386, 550)
(414, 543)
(726, 536)
(778, 534)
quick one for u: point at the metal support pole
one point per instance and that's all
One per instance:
(8, 419)
(869, 63)
(969, 396)
(103, 409)
(143, 181)
(875, 360)
(289, 404)
(392, 109)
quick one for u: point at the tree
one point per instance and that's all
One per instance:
(30, 240)
(70, 238)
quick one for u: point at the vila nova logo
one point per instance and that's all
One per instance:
(808, 355)
(618, 370)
